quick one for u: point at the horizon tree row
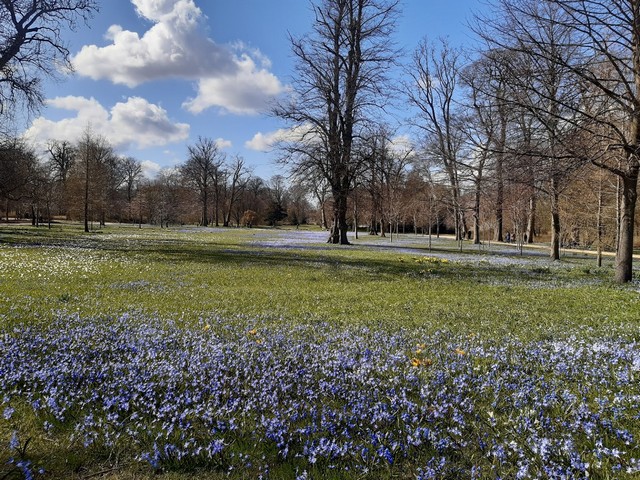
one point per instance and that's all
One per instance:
(87, 181)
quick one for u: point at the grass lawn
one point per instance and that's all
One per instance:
(239, 353)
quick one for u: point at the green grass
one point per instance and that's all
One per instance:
(189, 274)
(186, 275)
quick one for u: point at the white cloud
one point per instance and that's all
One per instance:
(245, 92)
(401, 145)
(150, 169)
(222, 143)
(134, 122)
(264, 142)
(234, 78)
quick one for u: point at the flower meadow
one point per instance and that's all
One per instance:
(247, 398)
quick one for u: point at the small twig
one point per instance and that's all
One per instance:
(97, 474)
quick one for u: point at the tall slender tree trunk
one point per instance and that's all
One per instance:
(599, 225)
(355, 215)
(531, 218)
(555, 220)
(457, 215)
(463, 225)
(86, 195)
(500, 182)
(624, 254)
(205, 212)
(323, 218)
(476, 215)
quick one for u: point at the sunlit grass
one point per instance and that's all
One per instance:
(187, 274)
(280, 280)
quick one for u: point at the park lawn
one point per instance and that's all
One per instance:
(187, 274)
(229, 282)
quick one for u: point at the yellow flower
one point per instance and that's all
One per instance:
(259, 341)
(207, 327)
(418, 351)
(253, 331)
(416, 362)
(421, 346)
(459, 351)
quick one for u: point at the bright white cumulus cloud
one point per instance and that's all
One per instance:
(264, 142)
(233, 78)
(132, 122)
(223, 143)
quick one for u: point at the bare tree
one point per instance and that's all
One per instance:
(384, 176)
(199, 170)
(238, 178)
(482, 127)
(18, 167)
(318, 187)
(62, 157)
(132, 170)
(278, 199)
(31, 45)
(434, 82)
(93, 152)
(340, 80)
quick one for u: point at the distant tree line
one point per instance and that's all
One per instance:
(87, 181)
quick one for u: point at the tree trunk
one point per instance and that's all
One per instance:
(555, 222)
(373, 224)
(338, 232)
(463, 225)
(323, 219)
(476, 216)
(599, 227)
(531, 218)
(355, 215)
(205, 213)
(499, 197)
(618, 211)
(86, 198)
(624, 254)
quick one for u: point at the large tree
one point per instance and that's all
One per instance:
(18, 168)
(62, 157)
(31, 45)
(200, 171)
(432, 86)
(340, 80)
(93, 155)
(237, 176)
(132, 171)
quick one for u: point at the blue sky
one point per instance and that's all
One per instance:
(153, 75)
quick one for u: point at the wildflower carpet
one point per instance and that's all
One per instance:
(248, 354)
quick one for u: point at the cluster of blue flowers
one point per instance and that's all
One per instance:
(236, 396)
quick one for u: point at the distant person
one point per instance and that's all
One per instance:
(508, 238)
